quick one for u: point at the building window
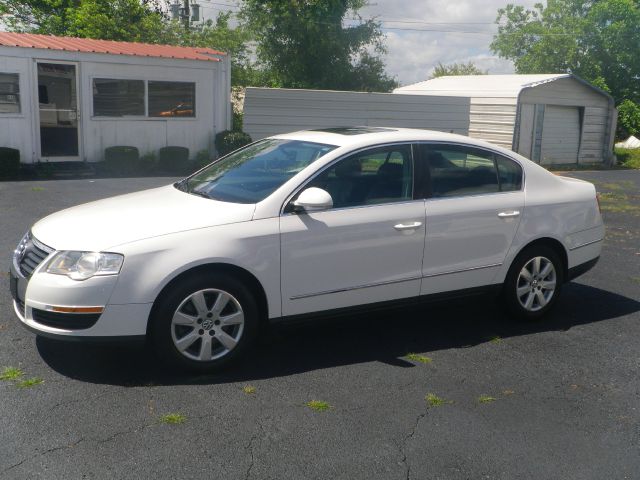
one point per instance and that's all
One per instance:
(118, 98)
(172, 99)
(9, 93)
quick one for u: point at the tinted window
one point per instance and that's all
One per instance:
(510, 174)
(9, 93)
(458, 171)
(172, 99)
(118, 98)
(253, 173)
(376, 176)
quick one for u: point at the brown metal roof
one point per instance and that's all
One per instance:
(88, 45)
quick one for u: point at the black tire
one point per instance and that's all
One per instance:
(163, 330)
(513, 302)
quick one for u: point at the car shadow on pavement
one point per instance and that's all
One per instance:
(381, 336)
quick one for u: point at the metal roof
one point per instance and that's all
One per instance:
(88, 45)
(479, 85)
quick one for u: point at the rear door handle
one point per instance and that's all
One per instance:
(509, 214)
(407, 226)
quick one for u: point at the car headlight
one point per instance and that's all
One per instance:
(83, 265)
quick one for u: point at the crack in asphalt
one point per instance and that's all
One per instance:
(404, 444)
(249, 447)
(70, 402)
(43, 453)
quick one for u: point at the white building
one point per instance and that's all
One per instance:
(556, 118)
(67, 99)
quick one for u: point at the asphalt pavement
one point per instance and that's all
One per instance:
(481, 396)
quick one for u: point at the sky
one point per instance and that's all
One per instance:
(421, 33)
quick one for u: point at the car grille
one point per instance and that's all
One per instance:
(68, 321)
(32, 256)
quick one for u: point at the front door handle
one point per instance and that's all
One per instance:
(509, 214)
(407, 226)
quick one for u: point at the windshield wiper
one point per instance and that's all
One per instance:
(199, 194)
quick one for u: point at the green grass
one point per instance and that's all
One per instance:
(628, 157)
(29, 382)
(173, 419)
(495, 339)
(618, 203)
(37, 189)
(635, 279)
(249, 390)
(486, 399)
(435, 401)
(11, 373)
(415, 357)
(318, 405)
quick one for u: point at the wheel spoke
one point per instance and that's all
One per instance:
(185, 342)
(550, 285)
(205, 349)
(541, 300)
(536, 266)
(523, 290)
(226, 340)
(526, 274)
(200, 303)
(546, 270)
(236, 318)
(529, 303)
(221, 302)
(180, 318)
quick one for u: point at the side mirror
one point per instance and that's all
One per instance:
(313, 199)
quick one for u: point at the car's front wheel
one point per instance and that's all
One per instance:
(205, 322)
(533, 283)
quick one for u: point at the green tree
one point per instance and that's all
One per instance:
(456, 69)
(130, 20)
(218, 35)
(305, 44)
(597, 40)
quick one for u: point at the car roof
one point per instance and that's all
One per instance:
(363, 136)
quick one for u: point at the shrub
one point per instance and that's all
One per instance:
(173, 159)
(228, 141)
(121, 159)
(628, 157)
(147, 163)
(9, 162)
(203, 158)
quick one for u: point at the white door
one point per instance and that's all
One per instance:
(560, 135)
(471, 218)
(368, 248)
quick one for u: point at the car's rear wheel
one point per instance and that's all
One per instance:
(533, 283)
(204, 323)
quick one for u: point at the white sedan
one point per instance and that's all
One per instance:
(319, 221)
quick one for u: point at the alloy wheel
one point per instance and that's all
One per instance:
(536, 284)
(207, 325)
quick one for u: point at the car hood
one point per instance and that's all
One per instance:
(104, 224)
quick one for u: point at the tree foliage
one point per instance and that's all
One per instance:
(129, 20)
(305, 44)
(597, 40)
(456, 69)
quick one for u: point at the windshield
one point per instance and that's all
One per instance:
(253, 173)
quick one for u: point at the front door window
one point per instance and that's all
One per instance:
(58, 101)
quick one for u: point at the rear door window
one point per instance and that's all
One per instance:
(459, 171)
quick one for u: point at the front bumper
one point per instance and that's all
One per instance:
(34, 297)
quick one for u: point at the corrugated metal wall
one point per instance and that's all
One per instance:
(596, 119)
(493, 120)
(270, 111)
